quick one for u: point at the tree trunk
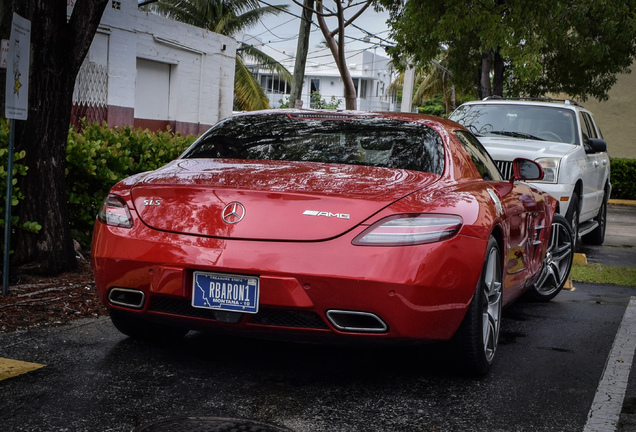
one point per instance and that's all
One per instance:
(338, 48)
(58, 49)
(295, 97)
(484, 77)
(498, 76)
(446, 94)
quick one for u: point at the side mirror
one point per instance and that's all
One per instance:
(526, 169)
(595, 145)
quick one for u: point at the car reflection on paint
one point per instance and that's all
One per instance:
(346, 225)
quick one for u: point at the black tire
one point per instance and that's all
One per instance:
(572, 216)
(140, 328)
(477, 347)
(597, 237)
(557, 263)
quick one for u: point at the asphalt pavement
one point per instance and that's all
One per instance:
(554, 372)
(619, 248)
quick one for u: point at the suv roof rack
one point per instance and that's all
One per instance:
(565, 101)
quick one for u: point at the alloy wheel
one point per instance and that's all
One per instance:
(558, 260)
(492, 304)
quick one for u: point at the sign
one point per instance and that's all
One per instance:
(4, 53)
(17, 88)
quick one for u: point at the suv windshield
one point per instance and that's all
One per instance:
(519, 121)
(345, 140)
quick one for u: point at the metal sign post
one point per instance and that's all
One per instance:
(16, 108)
(7, 210)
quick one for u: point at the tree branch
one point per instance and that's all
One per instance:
(82, 27)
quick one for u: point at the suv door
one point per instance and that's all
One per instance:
(595, 166)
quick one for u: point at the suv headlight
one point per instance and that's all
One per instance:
(550, 168)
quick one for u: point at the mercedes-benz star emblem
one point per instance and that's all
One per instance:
(233, 212)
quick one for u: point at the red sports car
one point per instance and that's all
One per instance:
(382, 226)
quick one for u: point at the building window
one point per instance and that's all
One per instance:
(314, 87)
(361, 88)
(274, 84)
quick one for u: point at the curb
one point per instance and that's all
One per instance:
(622, 202)
(579, 259)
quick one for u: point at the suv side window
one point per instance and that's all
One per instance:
(587, 125)
(480, 156)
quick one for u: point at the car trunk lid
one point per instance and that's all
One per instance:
(271, 200)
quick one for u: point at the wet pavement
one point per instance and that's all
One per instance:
(619, 248)
(550, 361)
(86, 376)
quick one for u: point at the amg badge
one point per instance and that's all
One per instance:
(326, 214)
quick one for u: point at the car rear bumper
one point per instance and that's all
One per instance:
(409, 292)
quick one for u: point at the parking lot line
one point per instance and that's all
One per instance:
(610, 393)
(10, 368)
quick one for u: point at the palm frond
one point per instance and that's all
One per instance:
(265, 62)
(248, 94)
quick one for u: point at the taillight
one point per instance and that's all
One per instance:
(407, 229)
(115, 212)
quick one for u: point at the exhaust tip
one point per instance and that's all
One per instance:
(356, 322)
(126, 297)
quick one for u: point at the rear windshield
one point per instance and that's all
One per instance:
(519, 121)
(358, 141)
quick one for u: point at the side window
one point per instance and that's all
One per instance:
(480, 156)
(590, 125)
(585, 126)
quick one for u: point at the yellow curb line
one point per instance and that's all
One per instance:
(10, 368)
(579, 259)
(622, 202)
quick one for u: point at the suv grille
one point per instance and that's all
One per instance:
(265, 316)
(505, 168)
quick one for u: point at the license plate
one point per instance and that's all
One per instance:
(225, 292)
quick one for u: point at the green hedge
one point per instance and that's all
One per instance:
(96, 159)
(623, 178)
(101, 156)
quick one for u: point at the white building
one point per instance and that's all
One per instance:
(372, 74)
(146, 71)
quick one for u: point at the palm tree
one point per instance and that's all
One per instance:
(431, 80)
(229, 18)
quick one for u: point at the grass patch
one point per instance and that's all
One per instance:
(601, 274)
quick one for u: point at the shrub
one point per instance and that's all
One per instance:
(435, 106)
(623, 178)
(101, 156)
(319, 103)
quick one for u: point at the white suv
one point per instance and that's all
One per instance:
(562, 137)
